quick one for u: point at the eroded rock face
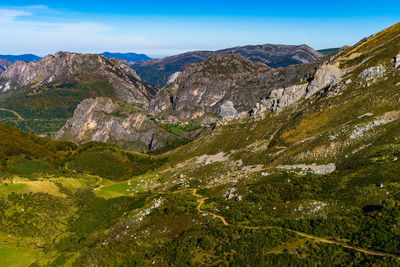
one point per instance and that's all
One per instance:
(63, 66)
(284, 97)
(173, 77)
(102, 120)
(326, 75)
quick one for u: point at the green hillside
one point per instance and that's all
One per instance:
(315, 184)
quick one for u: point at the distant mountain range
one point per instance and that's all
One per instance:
(328, 50)
(25, 57)
(129, 57)
(158, 71)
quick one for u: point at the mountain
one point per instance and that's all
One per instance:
(45, 94)
(309, 177)
(204, 87)
(158, 71)
(25, 57)
(129, 57)
(4, 64)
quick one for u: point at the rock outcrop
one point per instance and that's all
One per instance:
(102, 120)
(372, 73)
(227, 110)
(158, 71)
(64, 66)
(325, 77)
(284, 97)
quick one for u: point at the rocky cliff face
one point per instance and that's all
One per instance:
(158, 71)
(103, 120)
(326, 77)
(4, 64)
(65, 66)
(202, 88)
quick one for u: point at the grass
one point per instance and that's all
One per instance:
(21, 252)
(23, 185)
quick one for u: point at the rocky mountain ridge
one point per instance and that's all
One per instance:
(158, 71)
(64, 66)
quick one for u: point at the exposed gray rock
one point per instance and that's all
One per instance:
(65, 66)
(208, 121)
(396, 61)
(314, 168)
(386, 118)
(94, 120)
(173, 77)
(284, 97)
(326, 75)
(372, 73)
(230, 193)
(227, 110)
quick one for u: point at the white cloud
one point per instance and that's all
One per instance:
(9, 15)
(34, 35)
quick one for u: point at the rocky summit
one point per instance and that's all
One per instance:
(65, 66)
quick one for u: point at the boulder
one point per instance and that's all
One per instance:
(326, 75)
(227, 109)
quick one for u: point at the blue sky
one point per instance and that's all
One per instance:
(160, 28)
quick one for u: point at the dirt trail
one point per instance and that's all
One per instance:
(202, 199)
(13, 112)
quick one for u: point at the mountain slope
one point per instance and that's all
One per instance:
(312, 182)
(158, 71)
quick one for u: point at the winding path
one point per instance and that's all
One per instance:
(13, 112)
(202, 199)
